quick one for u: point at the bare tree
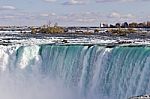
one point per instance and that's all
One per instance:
(49, 23)
(56, 24)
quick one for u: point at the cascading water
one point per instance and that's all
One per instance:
(73, 72)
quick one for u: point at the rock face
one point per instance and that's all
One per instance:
(141, 97)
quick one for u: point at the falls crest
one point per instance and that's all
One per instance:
(93, 72)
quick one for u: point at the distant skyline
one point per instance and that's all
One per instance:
(73, 12)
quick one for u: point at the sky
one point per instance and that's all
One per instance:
(73, 12)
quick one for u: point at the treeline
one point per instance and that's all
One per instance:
(129, 25)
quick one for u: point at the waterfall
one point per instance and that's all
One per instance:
(73, 72)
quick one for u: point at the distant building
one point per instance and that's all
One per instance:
(103, 25)
(125, 25)
(118, 25)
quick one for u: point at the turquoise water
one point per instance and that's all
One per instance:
(75, 72)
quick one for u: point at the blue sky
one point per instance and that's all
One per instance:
(72, 12)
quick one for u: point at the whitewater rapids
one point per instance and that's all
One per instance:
(73, 72)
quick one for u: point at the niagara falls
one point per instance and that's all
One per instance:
(73, 71)
(74, 49)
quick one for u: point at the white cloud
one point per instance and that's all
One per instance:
(85, 20)
(80, 2)
(129, 16)
(102, 1)
(7, 17)
(50, 0)
(80, 18)
(7, 7)
(47, 14)
(44, 15)
(75, 2)
(115, 15)
(121, 16)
